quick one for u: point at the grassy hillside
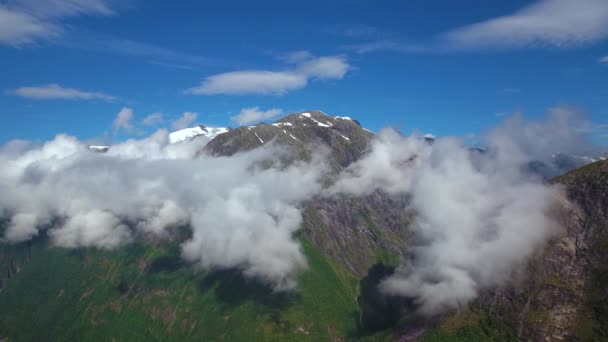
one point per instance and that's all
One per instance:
(143, 292)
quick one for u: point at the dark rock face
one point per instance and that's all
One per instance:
(304, 132)
(563, 292)
(359, 231)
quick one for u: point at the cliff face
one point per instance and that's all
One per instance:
(563, 292)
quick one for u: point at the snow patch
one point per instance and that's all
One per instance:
(257, 136)
(281, 124)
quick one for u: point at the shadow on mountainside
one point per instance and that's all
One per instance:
(232, 288)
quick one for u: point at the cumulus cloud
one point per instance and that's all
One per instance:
(27, 21)
(124, 120)
(267, 82)
(559, 23)
(390, 167)
(55, 91)
(479, 215)
(243, 210)
(187, 119)
(255, 115)
(152, 119)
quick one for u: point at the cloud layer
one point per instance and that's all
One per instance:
(266, 82)
(479, 215)
(243, 215)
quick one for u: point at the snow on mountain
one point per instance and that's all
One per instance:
(189, 133)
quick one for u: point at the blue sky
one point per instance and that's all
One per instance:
(444, 67)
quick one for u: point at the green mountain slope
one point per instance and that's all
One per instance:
(143, 292)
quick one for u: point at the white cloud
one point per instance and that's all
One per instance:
(55, 91)
(543, 23)
(242, 215)
(604, 59)
(255, 115)
(26, 21)
(297, 56)
(558, 23)
(184, 121)
(18, 28)
(478, 216)
(332, 67)
(267, 82)
(124, 120)
(250, 82)
(153, 119)
(63, 8)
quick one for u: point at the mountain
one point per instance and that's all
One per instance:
(303, 132)
(145, 291)
(560, 163)
(563, 292)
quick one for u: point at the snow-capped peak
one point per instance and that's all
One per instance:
(189, 133)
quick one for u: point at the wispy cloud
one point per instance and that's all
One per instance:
(388, 45)
(153, 119)
(55, 91)
(24, 22)
(187, 119)
(557, 23)
(510, 90)
(124, 120)
(164, 56)
(544, 23)
(603, 60)
(266, 82)
(255, 114)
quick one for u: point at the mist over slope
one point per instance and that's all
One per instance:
(477, 215)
